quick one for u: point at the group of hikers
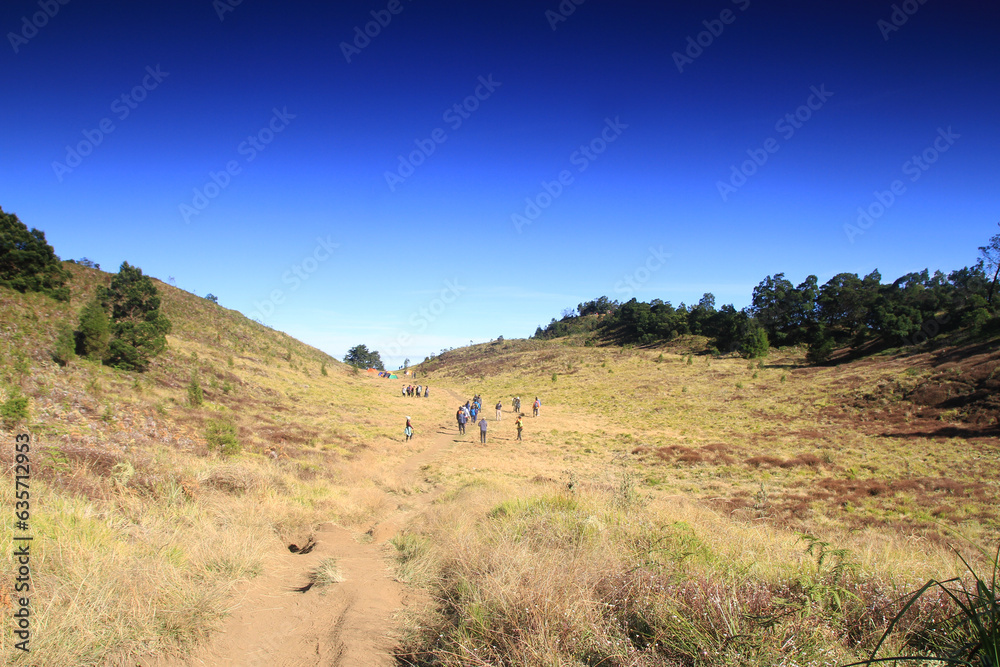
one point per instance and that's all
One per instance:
(410, 390)
(473, 408)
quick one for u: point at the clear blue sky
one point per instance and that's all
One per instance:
(433, 256)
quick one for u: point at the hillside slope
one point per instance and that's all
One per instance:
(142, 525)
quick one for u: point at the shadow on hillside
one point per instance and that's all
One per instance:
(957, 354)
(950, 432)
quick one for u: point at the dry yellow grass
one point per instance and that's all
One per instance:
(641, 462)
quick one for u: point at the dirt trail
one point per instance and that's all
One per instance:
(346, 624)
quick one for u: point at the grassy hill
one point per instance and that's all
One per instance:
(141, 526)
(668, 506)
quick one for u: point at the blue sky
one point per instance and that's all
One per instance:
(325, 182)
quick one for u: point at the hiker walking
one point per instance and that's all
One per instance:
(404, 390)
(517, 404)
(519, 425)
(462, 418)
(537, 404)
(427, 392)
(408, 430)
(499, 409)
(482, 430)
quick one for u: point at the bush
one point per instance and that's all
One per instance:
(195, 394)
(754, 343)
(322, 369)
(65, 349)
(221, 437)
(93, 332)
(14, 410)
(820, 350)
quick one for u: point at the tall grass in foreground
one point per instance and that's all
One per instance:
(968, 636)
(582, 579)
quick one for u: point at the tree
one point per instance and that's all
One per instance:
(65, 348)
(359, 356)
(138, 330)
(211, 297)
(845, 300)
(27, 262)
(991, 262)
(754, 343)
(707, 302)
(602, 305)
(406, 363)
(93, 332)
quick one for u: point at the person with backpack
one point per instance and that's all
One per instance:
(519, 425)
(535, 407)
(482, 430)
(462, 418)
(408, 431)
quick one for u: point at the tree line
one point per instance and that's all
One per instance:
(857, 312)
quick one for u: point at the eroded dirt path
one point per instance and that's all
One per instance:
(347, 624)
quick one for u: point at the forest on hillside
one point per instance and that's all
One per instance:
(860, 313)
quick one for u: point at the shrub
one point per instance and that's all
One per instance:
(195, 394)
(322, 369)
(93, 332)
(14, 410)
(820, 350)
(65, 349)
(221, 437)
(754, 344)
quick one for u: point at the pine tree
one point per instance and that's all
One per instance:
(138, 329)
(93, 332)
(27, 262)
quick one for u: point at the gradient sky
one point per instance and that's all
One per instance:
(303, 230)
